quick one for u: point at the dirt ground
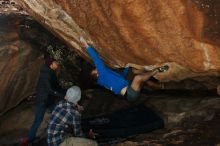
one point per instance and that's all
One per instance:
(191, 119)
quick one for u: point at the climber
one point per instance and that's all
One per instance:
(64, 127)
(116, 82)
(47, 89)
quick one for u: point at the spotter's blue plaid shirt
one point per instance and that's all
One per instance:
(64, 117)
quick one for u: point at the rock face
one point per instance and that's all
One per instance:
(182, 33)
(23, 41)
(19, 63)
(9, 6)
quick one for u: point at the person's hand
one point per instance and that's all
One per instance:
(79, 108)
(92, 134)
(83, 41)
(127, 65)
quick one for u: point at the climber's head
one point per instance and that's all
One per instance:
(94, 74)
(52, 63)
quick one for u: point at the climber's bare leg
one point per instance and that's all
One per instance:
(140, 79)
(137, 71)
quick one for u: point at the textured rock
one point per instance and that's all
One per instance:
(182, 33)
(19, 63)
(9, 6)
(23, 42)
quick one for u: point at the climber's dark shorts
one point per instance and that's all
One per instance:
(131, 94)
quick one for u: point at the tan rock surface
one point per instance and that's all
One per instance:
(182, 33)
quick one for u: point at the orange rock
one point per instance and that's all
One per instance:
(182, 33)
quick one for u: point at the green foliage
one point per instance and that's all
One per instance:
(69, 64)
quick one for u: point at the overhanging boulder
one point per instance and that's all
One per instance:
(183, 34)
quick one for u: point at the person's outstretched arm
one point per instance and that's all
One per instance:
(99, 64)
